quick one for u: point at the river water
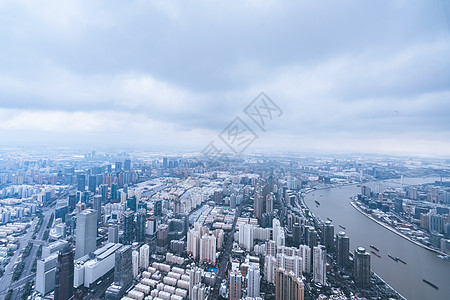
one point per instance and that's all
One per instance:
(362, 231)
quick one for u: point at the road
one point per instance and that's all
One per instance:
(223, 263)
(6, 281)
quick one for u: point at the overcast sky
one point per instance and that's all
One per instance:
(368, 76)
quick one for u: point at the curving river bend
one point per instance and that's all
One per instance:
(421, 263)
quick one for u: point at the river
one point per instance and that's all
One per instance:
(362, 231)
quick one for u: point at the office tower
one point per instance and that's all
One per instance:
(144, 256)
(72, 202)
(235, 285)
(162, 238)
(165, 164)
(45, 274)
(141, 219)
(398, 205)
(208, 249)
(361, 267)
(342, 250)
(328, 236)
(288, 286)
(135, 262)
(113, 233)
(128, 227)
(104, 192)
(278, 233)
(157, 208)
(127, 165)
(86, 233)
(81, 180)
(296, 234)
(253, 282)
(114, 194)
(98, 207)
(123, 269)
(92, 183)
(435, 223)
(319, 264)
(64, 274)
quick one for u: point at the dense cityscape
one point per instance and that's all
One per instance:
(139, 226)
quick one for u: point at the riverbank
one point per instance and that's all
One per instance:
(352, 203)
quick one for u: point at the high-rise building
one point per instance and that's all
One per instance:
(123, 269)
(305, 253)
(92, 183)
(342, 250)
(162, 240)
(135, 263)
(253, 282)
(288, 286)
(113, 233)
(64, 274)
(246, 236)
(104, 192)
(361, 267)
(98, 207)
(157, 208)
(144, 256)
(72, 202)
(296, 234)
(141, 220)
(114, 193)
(328, 236)
(81, 180)
(319, 264)
(86, 233)
(311, 237)
(128, 227)
(46, 274)
(235, 285)
(258, 203)
(208, 249)
(269, 203)
(127, 165)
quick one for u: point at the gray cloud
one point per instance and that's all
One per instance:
(182, 70)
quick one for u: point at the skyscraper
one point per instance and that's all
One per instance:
(127, 165)
(288, 286)
(81, 180)
(342, 250)
(92, 183)
(361, 267)
(157, 208)
(141, 219)
(123, 269)
(135, 262)
(98, 207)
(319, 264)
(113, 233)
(64, 274)
(86, 233)
(328, 236)
(128, 227)
(162, 238)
